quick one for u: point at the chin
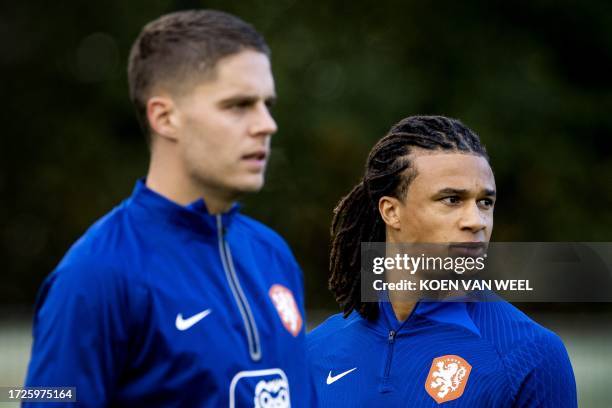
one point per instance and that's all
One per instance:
(250, 185)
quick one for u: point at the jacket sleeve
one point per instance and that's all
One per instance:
(80, 332)
(551, 382)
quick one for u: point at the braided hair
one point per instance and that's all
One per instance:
(388, 172)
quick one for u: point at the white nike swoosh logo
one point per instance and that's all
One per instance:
(331, 380)
(184, 324)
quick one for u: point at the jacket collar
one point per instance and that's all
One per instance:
(449, 312)
(152, 206)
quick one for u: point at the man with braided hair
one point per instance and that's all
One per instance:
(428, 181)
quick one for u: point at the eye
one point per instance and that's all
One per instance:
(486, 203)
(451, 200)
(240, 105)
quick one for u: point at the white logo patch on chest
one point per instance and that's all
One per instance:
(272, 394)
(267, 388)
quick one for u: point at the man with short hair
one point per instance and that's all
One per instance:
(428, 181)
(174, 298)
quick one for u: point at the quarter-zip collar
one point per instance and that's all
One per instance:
(454, 313)
(152, 206)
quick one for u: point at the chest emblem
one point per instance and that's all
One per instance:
(287, 309)
(272, 394)
(267, 388)
(447, 378)
(332, 379)
(183, 324)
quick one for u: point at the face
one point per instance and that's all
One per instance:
(225, 126)
(450, 200)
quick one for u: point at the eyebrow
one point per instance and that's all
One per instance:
(464, 192)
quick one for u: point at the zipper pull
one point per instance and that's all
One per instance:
(391, 336)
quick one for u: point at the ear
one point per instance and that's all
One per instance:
(390, 211)
(163, 116)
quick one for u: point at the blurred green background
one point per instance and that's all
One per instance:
(532, 78)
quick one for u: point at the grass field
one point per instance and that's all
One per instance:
(588, 340)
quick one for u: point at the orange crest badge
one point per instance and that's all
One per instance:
(287, 309)
(447, 378)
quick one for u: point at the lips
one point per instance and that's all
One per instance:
(468, 249)
(258, 155)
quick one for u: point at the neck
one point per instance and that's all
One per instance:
(166, 177)
(402, 309)
(402, 304)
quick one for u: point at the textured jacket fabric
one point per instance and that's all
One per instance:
(163, 305)
(449, 354)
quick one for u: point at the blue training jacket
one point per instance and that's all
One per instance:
(445, 354)
(160, 305)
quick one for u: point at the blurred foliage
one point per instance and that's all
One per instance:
(531, 77)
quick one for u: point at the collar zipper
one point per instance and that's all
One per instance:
(385, 386)
(241, 300)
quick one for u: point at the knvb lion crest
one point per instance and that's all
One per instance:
(287, 309)
(447, 378)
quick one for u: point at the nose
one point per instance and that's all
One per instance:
(473, 219)
(263, 124)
